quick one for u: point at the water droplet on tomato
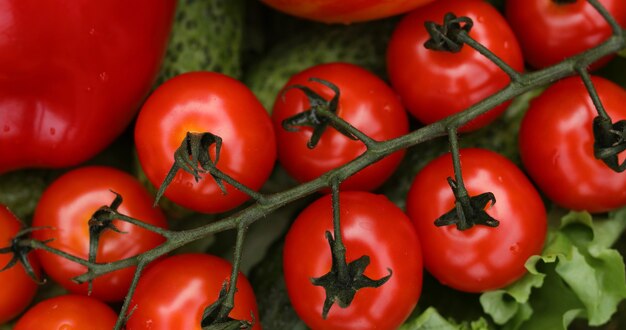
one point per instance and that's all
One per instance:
(480, 19)
(555, 158)
(104, 76)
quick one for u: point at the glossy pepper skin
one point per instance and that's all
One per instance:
(73, 75)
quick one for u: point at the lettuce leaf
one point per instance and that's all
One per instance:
(578, 275)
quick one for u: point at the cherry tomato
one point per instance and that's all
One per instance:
(480, 258)
(344, 11)
(67, 205)
(173, 293)
(552, 30)
(365, 101)
(556, 146)
(68, 312)
(206, 102)
(370, 225)
(18, 288)
(436, 84)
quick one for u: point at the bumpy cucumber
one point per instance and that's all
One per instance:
(207, 35)
(361, 44)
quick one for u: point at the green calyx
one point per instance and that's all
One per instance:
(211, 319)
(193, 157)
(468, 211)
(20, 249)
(609, 141)
(101, 221)
(316, 116)
(445, 37)
(341, 289)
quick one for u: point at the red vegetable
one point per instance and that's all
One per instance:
(18, 289)
(370, 225)
(556, 146)
(206, 102)
(551, 30)
(67, 206)
(344, 11)
(68, 312)
(365, 102)
(74, 74)
(436, 84)
(173, 293)
(480, 258)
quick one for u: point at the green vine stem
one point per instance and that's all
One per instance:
(264, 205)
(468, 210)
(616, 29)
(229, 303)
(593, 93)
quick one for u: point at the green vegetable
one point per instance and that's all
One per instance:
(361, 44)
(431, 320)
(207, 35)
(578, 275)
(20, 191)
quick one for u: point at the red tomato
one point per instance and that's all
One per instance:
(344, 11)
(206, 102)
(435, 84)
(18, 289)
(366, 102)
(68, 204)
(68, 312)
(556, 146)
(74, 74)
(173, 293)
(550, 31)
(370, 225)
(480, 258)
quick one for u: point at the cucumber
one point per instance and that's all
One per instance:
(360, 44)
(207, 35)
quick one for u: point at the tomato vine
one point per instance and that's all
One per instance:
(265, 204)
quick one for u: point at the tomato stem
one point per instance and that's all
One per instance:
(465, 38)
(101, 221)
(229, 303)
(468, 211)
(617, 29)
(338, 248)
(124, 314)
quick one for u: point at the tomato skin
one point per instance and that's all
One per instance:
(345, 11)
(173, 293)
(68, 204)
(549, 32)
(366, 102)
(435, 84)
(68, 312)
(18, 288)
(370, 225)
(560, 159)
(480, 258)
(206, 102)
(74, 74)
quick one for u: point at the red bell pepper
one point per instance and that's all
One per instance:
(73, 75)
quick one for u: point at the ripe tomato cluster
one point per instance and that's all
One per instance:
(352, 259)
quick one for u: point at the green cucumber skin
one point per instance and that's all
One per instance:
(360, 44)
(207, 35)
